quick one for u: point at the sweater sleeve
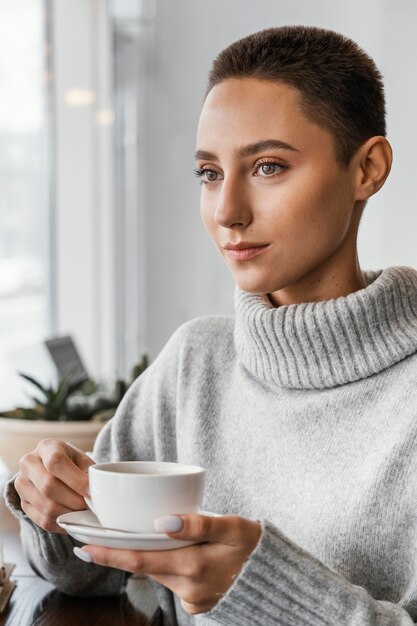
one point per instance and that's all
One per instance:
(143, 428)
(283, 585)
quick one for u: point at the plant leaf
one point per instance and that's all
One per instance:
(50, 393)
(89, 387)
(75, 386)
(140, 367)
(51, 413)
(30, 414)
(79, 412)
(103, 416)
(33, 381)
(62, 390)
(36, 400)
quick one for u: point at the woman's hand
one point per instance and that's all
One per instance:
(51, 481)
(199, 574)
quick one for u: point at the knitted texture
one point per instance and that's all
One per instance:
(305, 417)
(334, 342)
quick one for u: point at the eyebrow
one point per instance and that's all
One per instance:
(250, 149)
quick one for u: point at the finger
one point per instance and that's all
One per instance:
(228, 529)
(193, 593)
(48, 507)
(181, 587)
(66, 463)
(41, 520)
(80, 458)
(170, 582)
(178, 562)
(194, 609)
(33, 470)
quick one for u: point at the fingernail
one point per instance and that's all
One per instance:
(168, 524)
(83, 555)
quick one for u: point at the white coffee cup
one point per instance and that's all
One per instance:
(129, 495)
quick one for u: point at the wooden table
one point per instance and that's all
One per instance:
(36, 602)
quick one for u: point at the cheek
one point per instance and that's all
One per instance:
(206, 213)
(313, 210)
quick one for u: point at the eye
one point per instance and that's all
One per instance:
(207, 175)
(269, 169)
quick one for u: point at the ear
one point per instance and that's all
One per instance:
(372, 163)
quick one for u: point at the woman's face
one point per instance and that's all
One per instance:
(295, 197)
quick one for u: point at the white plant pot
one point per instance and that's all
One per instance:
(19, 436)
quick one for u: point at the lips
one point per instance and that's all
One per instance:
(244, 245)
(244, 254)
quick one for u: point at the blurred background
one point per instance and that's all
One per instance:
(100, 232)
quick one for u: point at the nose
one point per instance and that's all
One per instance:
(232, 204)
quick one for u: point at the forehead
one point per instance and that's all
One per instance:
(238, 111)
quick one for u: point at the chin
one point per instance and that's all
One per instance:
(254, 286)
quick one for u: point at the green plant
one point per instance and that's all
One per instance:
(121, 386)
(82, 400)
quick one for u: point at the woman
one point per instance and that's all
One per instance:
(303, 407)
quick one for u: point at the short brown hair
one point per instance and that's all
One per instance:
(341, 88)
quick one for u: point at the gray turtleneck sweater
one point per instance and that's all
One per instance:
(305, 417)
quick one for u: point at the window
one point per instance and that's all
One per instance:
(25, 308)
(25, 208)
(71, 236)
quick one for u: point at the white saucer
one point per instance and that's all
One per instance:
(85, 527)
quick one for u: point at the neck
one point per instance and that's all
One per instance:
(339, 274)
(323, 283)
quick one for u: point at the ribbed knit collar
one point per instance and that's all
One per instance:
(322, 344)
